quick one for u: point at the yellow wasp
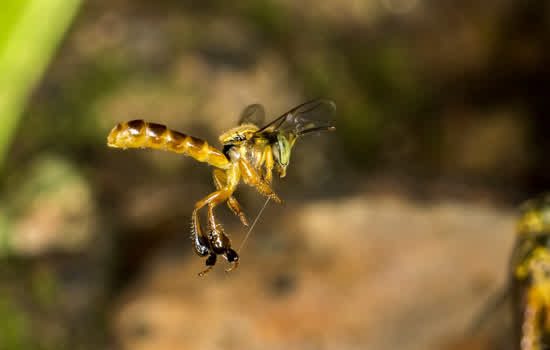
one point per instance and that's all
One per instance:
(530, 275)
(529, 279)
(249, 152)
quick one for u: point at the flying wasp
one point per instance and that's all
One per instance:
(528, 286)
(249, 153)
(530, 275)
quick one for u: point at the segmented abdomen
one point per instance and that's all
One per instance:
(140, 134)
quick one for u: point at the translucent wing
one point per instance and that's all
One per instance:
(308, 117)
(253, 114)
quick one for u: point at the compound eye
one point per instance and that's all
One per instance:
(231, 255)
(276, 152)
(279, 154)
(282, 150)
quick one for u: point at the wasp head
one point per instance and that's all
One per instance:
(281, 152)
(535, 216)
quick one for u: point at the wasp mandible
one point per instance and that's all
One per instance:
(249, 153)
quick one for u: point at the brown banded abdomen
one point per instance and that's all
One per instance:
(141, 134)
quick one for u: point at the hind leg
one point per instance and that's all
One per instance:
(201, 243)
(220, 242)
(216, 242)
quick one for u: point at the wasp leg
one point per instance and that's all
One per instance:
(210, 262)
(201, 243)
(233, 257)
(220, 180)
(252, 178)
(531, 327)
(217, 241)
(215, 198)
(268, 165)
(233, 175)
(221, 244)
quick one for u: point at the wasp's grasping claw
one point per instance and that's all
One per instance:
(210, 262)
(232, 257)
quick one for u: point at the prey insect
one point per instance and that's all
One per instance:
(250, 153)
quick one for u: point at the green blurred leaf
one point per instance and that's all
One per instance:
(30, 31)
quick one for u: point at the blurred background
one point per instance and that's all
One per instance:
(394, 232)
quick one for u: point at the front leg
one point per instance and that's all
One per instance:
(268, 164)
(532, 325)
(252, 178)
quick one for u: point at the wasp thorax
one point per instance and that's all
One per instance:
(239, 134)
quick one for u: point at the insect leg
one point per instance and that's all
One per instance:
(215, 198)
(218, 241)
(221, 244)
(252, 178)
(220, 180)
(210, 262)
(531, 327)
(201, 243)
(268, 164)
